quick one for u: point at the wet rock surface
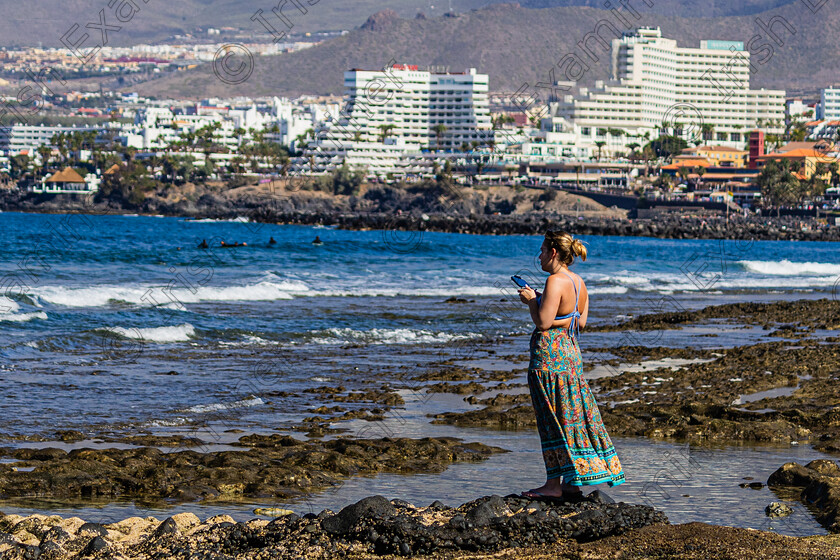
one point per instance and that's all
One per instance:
(780, 391)
(818, 483)
(489, 527)
(373, 526)
(807, 314)
(273, 466)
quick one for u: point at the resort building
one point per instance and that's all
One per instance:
(829, 107)
(19, 138)
(402, 109)
(67, 181)
(659, 88)
(719, 156)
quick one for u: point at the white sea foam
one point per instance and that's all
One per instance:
(180, 421)
(385, 336)
(408, 291)
(238, 219)
(99, 296)
(22, 317)
(215, 407)
(788, 268)
(8, 305)
(8, 308)
(177, 333)
(607, 290)
(250, 340)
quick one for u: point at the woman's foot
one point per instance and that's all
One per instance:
(571, 492)
(554, 490)
(550, 489)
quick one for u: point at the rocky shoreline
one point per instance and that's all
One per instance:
(486, 211)
(268, 467)
(795, 375)
(511, 527)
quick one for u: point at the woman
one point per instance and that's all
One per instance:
(575, 445)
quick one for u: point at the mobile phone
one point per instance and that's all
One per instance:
(519, 281)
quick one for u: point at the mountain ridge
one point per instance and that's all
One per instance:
(45, 21)
(518, 46)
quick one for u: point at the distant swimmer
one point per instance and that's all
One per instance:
(237, 244)
(317, 240)
(272, 241)
(203, 244)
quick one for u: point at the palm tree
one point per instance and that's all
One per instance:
(385, 131)
(301, 138)
(439, 130)
(633, 147)
(700, 172)
(600, 145)
(683, 173)
(45, 152)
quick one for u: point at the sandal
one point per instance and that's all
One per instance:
(540, 497)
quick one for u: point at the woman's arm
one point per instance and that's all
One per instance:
(544, 312)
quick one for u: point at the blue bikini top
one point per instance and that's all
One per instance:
(574, 315)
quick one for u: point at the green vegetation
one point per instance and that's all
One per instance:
(665, 146)
(780, 187)
(341, 181)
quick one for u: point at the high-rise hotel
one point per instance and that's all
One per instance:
(655, 83)
(401, 109)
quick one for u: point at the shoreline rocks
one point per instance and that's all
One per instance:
(819, 482)
(509, 527)
(374, 526)
(274, 466)
(477, 211)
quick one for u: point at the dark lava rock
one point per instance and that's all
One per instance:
(50, 550)
(820, 484)
(600, 497)
(343, 521)
(265, 468)
(167, 527)
(92, 530)
(95, 545)
(56, 534)
(484, 513)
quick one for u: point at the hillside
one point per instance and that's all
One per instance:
(45, 21)
(516, 45)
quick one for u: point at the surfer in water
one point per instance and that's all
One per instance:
(317, 240)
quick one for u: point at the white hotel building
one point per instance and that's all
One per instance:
(654, 82)
(391, 115)
(829, 107)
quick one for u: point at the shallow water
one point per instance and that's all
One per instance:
(118, 325)
(687, 484)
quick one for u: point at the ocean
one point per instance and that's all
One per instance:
(119, 325)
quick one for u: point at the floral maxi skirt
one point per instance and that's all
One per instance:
(575, 444)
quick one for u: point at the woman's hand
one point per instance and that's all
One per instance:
(527, 294)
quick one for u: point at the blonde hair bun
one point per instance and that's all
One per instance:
(567, 247)
(579, 249)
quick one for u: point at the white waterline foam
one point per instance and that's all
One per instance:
(177, 333)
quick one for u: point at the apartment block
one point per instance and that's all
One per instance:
(829, 107)
(402, 109)
(698, 93)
